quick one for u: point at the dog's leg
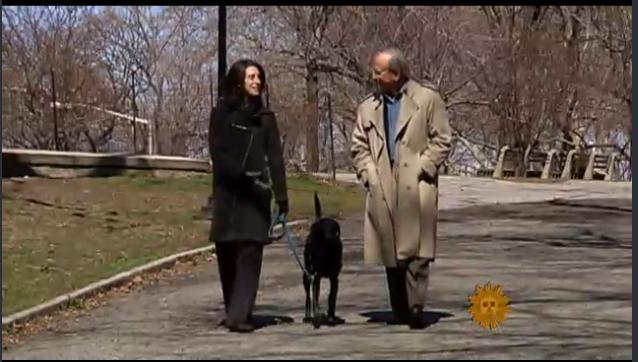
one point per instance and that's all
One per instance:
(306, 286)
(332, 302)
(318, 317)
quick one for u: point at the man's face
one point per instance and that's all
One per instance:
(382, 75)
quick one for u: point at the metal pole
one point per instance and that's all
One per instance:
(55, 113)
(221, 74)
(221, 49)
(134, 113)
(210, 87)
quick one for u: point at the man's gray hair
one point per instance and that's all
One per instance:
(398, 62)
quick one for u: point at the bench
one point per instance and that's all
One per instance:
(485, 172)
(600, 166)
(575, 165)
(507, 164)
(542, 164)
(558, 165)
(534, 162)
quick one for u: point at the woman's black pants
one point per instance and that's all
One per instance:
(239, 270)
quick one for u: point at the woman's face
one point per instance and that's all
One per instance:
(252, 83)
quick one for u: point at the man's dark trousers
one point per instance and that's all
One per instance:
(408, 284)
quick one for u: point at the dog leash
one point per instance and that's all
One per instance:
(291, 239)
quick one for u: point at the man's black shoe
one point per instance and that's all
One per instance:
(401, 317)
(416, 318)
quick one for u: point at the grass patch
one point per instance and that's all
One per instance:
(61, 235)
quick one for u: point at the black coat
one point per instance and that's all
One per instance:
(245, 139)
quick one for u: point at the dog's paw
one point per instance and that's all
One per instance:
(334, 321)
(317, 320)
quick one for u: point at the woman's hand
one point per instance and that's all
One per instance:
(282, 207)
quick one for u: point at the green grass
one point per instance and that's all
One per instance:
(98, 227)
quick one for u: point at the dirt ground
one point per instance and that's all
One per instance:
(566, 265)
(61, 235)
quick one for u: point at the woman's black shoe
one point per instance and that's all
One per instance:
(242, 328)
(249, 320)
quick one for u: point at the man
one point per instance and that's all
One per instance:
(401, 137)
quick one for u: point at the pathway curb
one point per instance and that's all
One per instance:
(109, 283)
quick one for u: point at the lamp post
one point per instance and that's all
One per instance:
(134, 112)
(221, 49)
(328, 97)
(221, 73)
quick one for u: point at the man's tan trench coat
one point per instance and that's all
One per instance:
(401, 201)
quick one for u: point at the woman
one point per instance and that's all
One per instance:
(247, 157)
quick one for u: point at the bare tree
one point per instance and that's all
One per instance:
(541, 76)
(42, 45)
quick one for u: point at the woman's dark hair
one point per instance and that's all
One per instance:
(233, 91)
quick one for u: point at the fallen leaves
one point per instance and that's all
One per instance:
(77, 308)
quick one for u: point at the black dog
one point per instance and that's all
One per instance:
(323, 259)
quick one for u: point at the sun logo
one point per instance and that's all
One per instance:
(489, 306)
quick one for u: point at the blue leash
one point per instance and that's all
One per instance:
(292, 241)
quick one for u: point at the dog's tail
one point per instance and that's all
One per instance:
(317, 207)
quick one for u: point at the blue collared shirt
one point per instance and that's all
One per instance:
(391, 108)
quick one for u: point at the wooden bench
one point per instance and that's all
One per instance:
(600, 166)
(558, 165)
(543, 164)
(485, 172)
(553, 165)
(507, 164)
(575, 165)
(534, 162)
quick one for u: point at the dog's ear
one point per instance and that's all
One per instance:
(317, 207)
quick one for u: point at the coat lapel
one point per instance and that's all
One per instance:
(383, 161)
(377, 122)
(378, 145)
(407, 110)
